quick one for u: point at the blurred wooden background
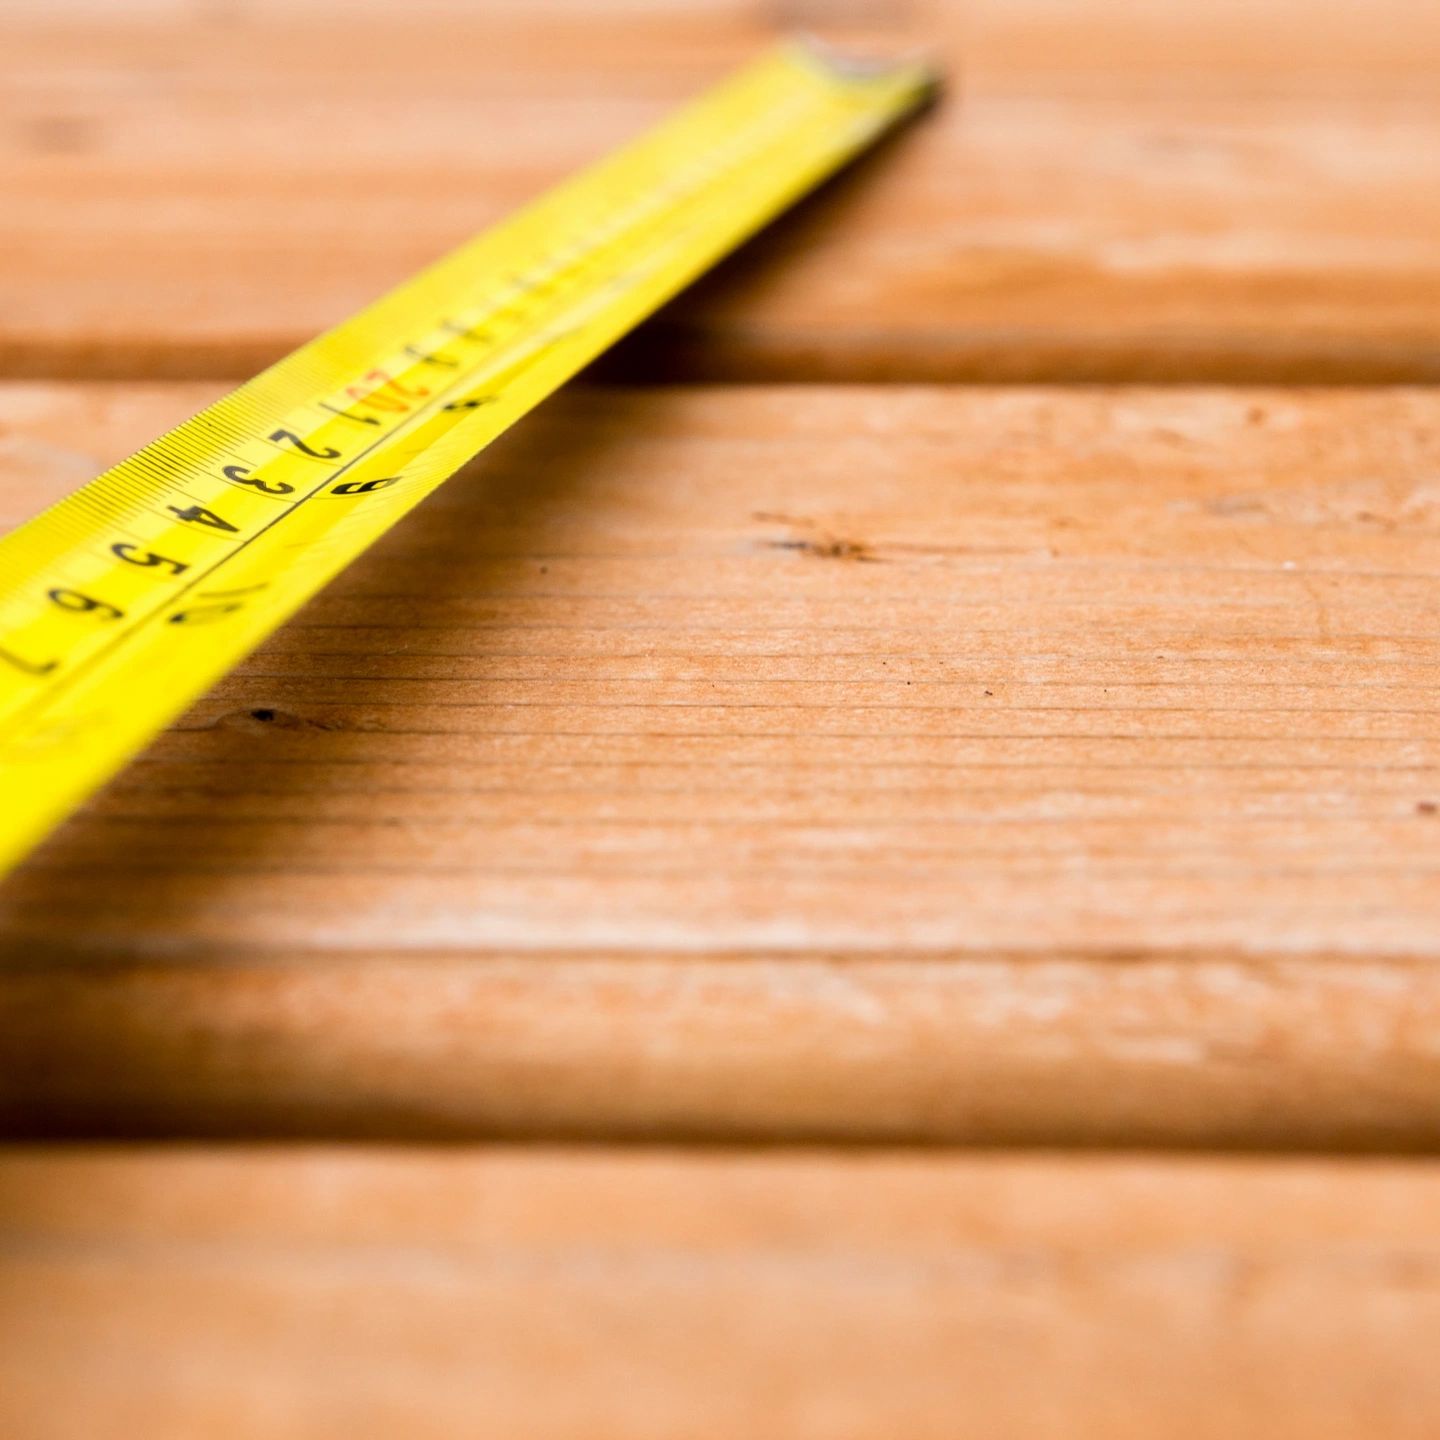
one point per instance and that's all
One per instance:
(841, 728)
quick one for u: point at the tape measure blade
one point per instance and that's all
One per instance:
(120, 605)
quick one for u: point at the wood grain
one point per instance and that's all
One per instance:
(1171, 191)
(623, 1296)
(903, 764)
(908, 762)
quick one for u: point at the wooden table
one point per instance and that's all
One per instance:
(858, 798)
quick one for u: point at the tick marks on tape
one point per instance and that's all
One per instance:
(123, 603)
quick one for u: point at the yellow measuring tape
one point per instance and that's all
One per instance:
(123, 603)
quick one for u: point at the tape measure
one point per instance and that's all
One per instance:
(123, 603)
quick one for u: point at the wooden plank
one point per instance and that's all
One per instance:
(936, 763)
(623, 1296)
(1233, 191)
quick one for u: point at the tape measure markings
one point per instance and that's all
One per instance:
(223, 526)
